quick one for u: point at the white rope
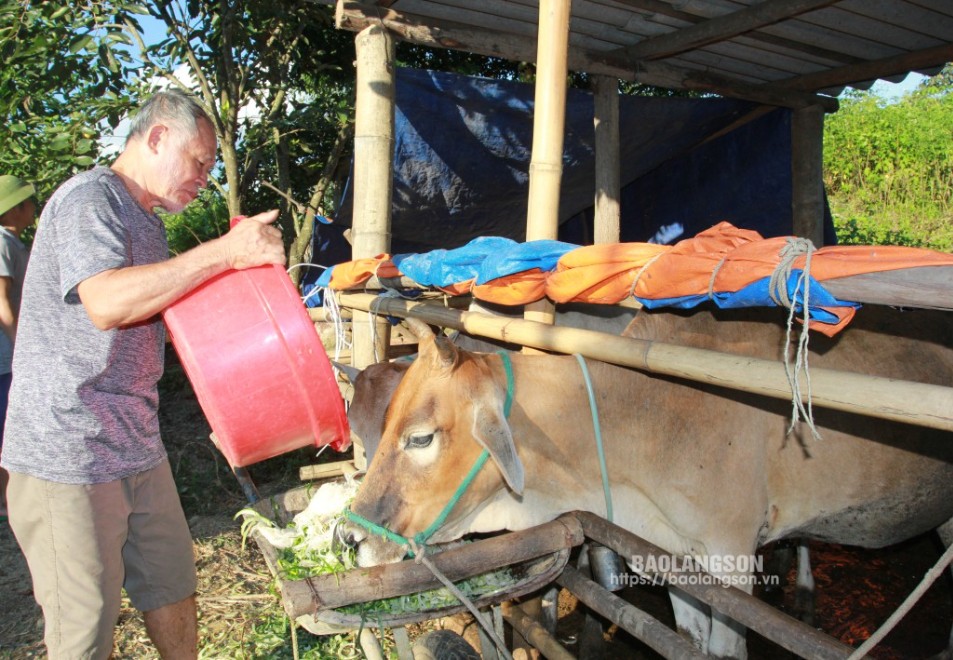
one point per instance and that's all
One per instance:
(714, 274)
(638, 275)
(374, 312)
(304, 264)
(317, 289)
(421, 558)
(778, 290)
(332, 311)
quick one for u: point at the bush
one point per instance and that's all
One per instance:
(888, 169)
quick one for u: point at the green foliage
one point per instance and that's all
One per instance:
(62, 80)
(204, 219)
(71, 73)
(278, 78)
(888, 168)
(469, 64)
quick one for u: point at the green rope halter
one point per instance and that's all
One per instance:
(421, 538)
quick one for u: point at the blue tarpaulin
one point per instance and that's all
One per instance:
(463, 147)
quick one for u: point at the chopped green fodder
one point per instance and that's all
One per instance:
(305, 549)
(435, 599)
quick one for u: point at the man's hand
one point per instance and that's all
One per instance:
(254, 241)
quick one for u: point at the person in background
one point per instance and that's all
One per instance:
(92, 500)
(17, 212)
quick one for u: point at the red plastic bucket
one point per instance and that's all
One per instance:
(257, 366)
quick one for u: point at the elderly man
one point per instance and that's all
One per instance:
(91, 498)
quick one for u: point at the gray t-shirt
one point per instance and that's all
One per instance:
(13, 259)
(83, 403)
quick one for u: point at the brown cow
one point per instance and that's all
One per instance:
(698, 470)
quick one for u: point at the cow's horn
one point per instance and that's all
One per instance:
(420, 329)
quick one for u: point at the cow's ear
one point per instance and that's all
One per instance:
(352, 373)
(491, 430)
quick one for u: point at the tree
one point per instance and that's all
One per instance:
(62, 80)
(276, 81)
(274, 76)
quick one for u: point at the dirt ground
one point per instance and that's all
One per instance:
(857, 590)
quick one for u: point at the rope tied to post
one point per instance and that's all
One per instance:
(793, 249)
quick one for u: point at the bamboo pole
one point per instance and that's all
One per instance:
(373, 177)
(534, 633)
(884, 398)
(320, 315)
(608, 191)
(549, 125)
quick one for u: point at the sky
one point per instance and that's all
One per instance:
(893, 91)
(153, 30)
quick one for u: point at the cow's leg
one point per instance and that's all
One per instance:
(804, 592)
(692, 617)
(727, 636)
(712, 632)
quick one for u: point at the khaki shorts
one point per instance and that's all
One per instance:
(85, 543)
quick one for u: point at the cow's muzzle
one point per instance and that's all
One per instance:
(371, 549)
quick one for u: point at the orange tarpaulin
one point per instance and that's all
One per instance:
(600, 273)
(353, 273)
(517, 289)
(723, 258)
(729, 265)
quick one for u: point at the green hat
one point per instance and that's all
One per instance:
(13, 190)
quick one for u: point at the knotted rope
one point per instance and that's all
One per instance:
(778, 290)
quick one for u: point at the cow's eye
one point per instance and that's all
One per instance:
(419, 441)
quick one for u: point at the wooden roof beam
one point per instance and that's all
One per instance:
(664, 8)
(663, 75)
(354, 16)
(845, 75)
(721, 28)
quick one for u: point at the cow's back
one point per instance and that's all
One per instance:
(866, 481)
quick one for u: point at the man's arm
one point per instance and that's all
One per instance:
(123, 296)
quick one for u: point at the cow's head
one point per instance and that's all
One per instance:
(448, 408)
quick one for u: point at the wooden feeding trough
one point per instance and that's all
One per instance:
(538, 558)
(535, 558)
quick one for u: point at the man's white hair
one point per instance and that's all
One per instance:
(171, 107)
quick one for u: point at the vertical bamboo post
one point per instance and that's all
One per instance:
(606, 120)
(807, 173)
(373, 174)
(549, 120)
